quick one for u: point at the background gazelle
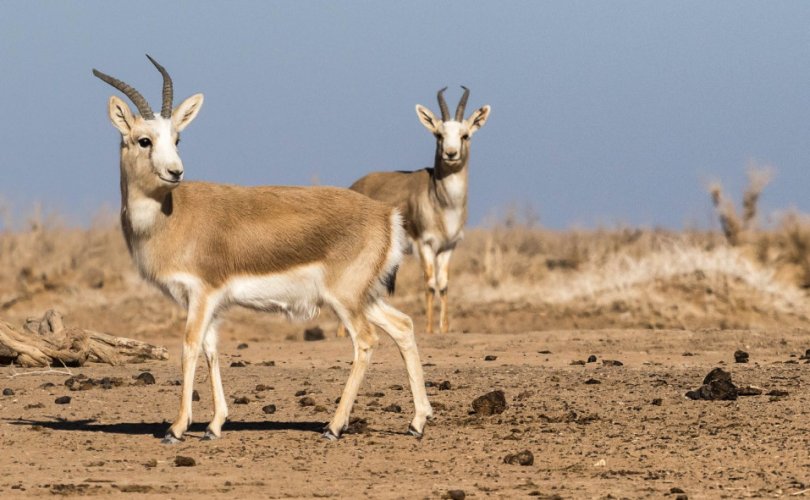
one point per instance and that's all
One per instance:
(433, 200)
(288, 249)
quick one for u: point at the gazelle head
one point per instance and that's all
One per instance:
(453, 135)
(149, 159)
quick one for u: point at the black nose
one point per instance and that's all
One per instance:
(451, 154)
(176, 174)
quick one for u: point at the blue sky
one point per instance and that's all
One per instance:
(606, 113)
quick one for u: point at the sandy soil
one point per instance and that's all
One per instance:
(632, 434)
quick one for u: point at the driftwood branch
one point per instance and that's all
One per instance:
(46, 341)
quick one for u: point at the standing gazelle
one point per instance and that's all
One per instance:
(433, 200)
(288, 249)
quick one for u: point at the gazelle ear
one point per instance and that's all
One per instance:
(120, 115)
(478, 119)
(186, 111)
(427, 118)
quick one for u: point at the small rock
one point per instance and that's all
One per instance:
(313, 334)
(490, 357)
(806, 354)
(181, 461)
(110, 382)
(33, 406)
(62, 400)
(592, 381)
(445, 386)
(376, 394)
(267, 363)
(577, 362)
(47, 385)
(145, 378)
(717, 386)
(393, 408)
(454, 495)
(682, 496)
(592, 359)
(242, 346)
(777, 393)
(740, 357)
(8, 392)
(262, 387)
(544, 351)
(749, 390)
(151, 463)
(611, 362)
(195, 395)
(357, 426)
(320, 409)
(269, 409)
(300, 393)
(523, 458)
(674, 490)
(491, 403)
(396, 387)
(242, 400)
(657, 402)
(306, 401)
(238, 364)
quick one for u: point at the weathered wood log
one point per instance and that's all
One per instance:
(46, 341)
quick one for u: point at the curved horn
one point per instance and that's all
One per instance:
(166, 108)
(462, 104)
(443, 105)
(134, 96)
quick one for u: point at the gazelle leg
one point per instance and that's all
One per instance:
(400, 327)
(341, 331)
(365, 340)
(209, 345)
(442, 277)
(428, 259)
(199, 316)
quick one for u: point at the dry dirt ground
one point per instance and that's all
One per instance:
(595, 430)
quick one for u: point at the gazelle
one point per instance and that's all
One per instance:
(288, 249)
(433, 200)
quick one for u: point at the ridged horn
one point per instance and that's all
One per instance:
(443, 105)
(134, 96)
(168, 90)
(462, 104)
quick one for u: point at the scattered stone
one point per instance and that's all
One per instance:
(611, 362)
(195, 395)
(687, 353)
(242, 400)
(306, 401)
(8, 392)
(717, 386)
(313, 334)
(740, 356)
(33, 406)
(320, 409)
(300, 393)
(491, 403)
(357, 426)
(151, 463)
(376, 394)
(242, 346)
(238, 364)
(454, 495)
(62, 400)
(47, 385)
(262, 387)
(145, 378)
(523, 458)
(396, 387)
(393, 408)
(657, 402)
(544, 351)
(592, 381)
(80, 383)
(267, 363)
(269, 409)
(577, 362)
(490, 357)
(563, 418)
(110, 382)
(749, 390)
(806, 354)
(438, 406)
(675, 490)
(592, 359)
(777, 393)
(445, 386)
(181, 461)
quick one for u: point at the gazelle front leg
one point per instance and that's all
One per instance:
(197, 323)
(442, 278)
(428, 259)
(214, 429)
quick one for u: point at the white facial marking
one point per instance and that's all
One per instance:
(164, 156)
(452, 131)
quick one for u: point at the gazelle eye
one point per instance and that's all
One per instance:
(144, 142)
(466, 137)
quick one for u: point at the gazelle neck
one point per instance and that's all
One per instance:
(450, 181)
(141, 212)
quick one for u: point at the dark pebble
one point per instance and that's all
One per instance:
(591, 359)
(777, 393)
(269, 409)
(195, 395)
(455, 495)
(577, 362)
(8, 392)
(146, 378)
(396, 387)
(748, 391)
(312, 334)
(592, 381)
(242, 346)
(242, 400)
(490, 357)
(740, 357)
(445, 386)
(717, 386)
(523, 458)
(306, 401)
(491, 403)
(238, 364)
(262, 387)
(63, 400)
(393, 409)
(357, 426)
(612, 362)
(47, 385)
(181, 461)
(675, 490)
(267, 363)
(300, 393)
(657, 402)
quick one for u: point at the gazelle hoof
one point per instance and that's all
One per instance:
(169, 438)
(413, 432)
(209, 436)
(328, 434)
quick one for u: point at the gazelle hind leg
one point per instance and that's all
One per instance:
(214, 429)
(199, 318)
(400, 327)
(365, 340)
(442, 279)
(428, 260)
